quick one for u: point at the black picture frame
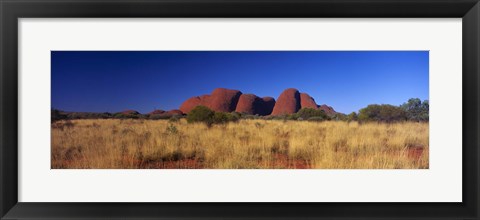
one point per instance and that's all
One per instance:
(11, 10)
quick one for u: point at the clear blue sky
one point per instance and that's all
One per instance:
(112, 81)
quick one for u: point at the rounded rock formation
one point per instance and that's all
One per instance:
(173, 112)
(306, 101)
(228, 100)
(287, 103)
(193, 102)
(327, 109)
(156, 112)
(223, 100)
(249, 104)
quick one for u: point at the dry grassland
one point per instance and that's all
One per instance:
(247, 144)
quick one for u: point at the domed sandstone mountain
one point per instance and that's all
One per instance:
(249, 103)
(327, 109)
(230, 100)
(193, 102)
(221, 100)
(224, 100)
(307, 102)
(253, 105)
(173, 112)
(156, 112)
(287, 103)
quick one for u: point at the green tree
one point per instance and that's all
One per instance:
(352, 116)
(416, 109)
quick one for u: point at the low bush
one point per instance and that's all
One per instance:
(158, 117)
(175, 118)
(209, 117)
(382, 113)
(307, 113)
(220, 118)
(57, 115)
(233, 117)
(317, 118)
(352, 116)
(201, 114)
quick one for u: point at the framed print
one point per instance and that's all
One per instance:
(224, 109)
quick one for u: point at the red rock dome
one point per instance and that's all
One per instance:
(306, 101)
(249, 104)
(193, 102)
(327, 109)
(287, 103)
(156, 112)
(228, 100)
(223, 100)
(173, 112)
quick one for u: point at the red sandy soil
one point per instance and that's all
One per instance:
(415, 153)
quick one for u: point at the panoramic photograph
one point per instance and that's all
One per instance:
(239, 109)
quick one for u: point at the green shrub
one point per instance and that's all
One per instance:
(220, 118)
(293, 117)
(339, 117)
(201, 114)
(237, 115)
(382, 113)
(245, 116)
(267, 117)
(233, 117)
(158, 117)
(307, 113)
(316, 119)
(352, 116)
(209, 117)
(142, 116)
(57, 115)
(174, 118)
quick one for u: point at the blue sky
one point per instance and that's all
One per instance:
(112, 81)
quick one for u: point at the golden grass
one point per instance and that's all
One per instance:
(260, 144)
